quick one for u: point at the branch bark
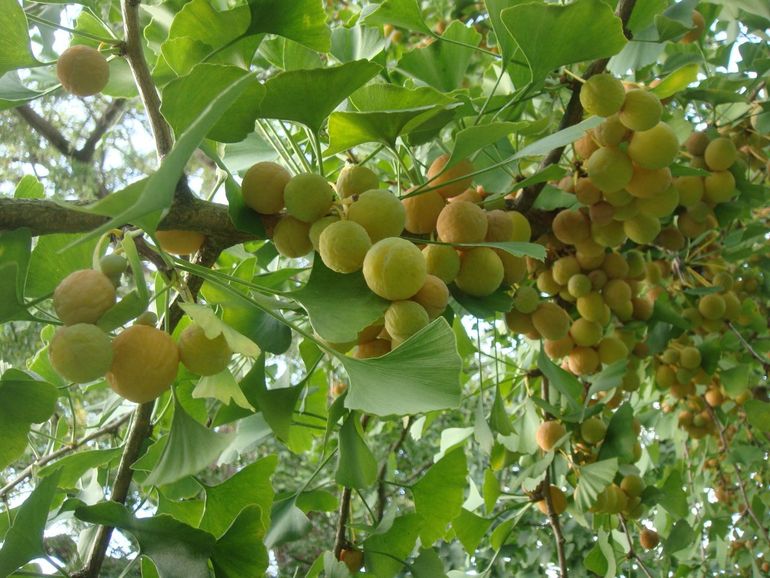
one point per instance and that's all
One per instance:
(572, 114)
(632, 553)
(553, 520)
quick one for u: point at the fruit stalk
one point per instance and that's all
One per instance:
(631, 551)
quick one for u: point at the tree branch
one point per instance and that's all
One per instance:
(45, 129)
(30, 469)
(553, 520)
(381, 496)
(340, 537)
(631, 551)
(134, 53)
(572, 114)
(107, 120)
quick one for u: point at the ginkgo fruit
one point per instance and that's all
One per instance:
(609, 169)
(457, 173)
(82, 70)
(83, 297)
(641, 110)
(318, 227)
(655, 148)
(308, 197)
(571, 227)
(263, 187)
(462, 222)
(548, 433)
(602, 95)
(80, 353)
(178, 242)
(499, 226)
(719, 187)
(558, 501)
(481, 272)
(394, 269)
(201, 354)
(422, 212)
(403, 319)
(443, 261)
(649, 539)
(551, 321)
(433, 296)
(698, 26)
(380, 212)
(593, 430)
(144, 364)
(291, 237)
(354, 180)
(712, 306)
(720, 154)
(343, 246)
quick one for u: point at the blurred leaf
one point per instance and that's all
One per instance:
(608, 378)
(438, 496)
(24, 540)
(620, 438)
(681, 537)
(422, 374)
(15, 49)
(428, 565)
(758, 414)
(222, 387)
(289, 523)
(401, 13)
(241, 551)
(386, 546)
(664, 311)
(475, 138)
(29, 187)
(566, 383)
(592, 480)
(470, 529)
(356, 466)
(676, 81)
(672, 497)
(14, 262)
(71, 468)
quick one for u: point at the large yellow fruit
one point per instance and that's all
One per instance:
(354, 180)
(481, 272)
(144, 364)
(558, 501)
(443, 261)
(462, 222)
(394, 269)
(82, 70)
(380, 212)
(602, 95)
(571, 227)
(720, 154)
(308, 197)
(548, 433)
(433, 296)
(291, 237)
(641, 110)
(499, 226)
(202, 355)
(403, 319)
(609, 169)
(422, 212)
(343, 246)
(263, 186)
(655, 148)
(80, 352)
(522, 230)
(551, 321)
(318, 227)
(179, 242)
(83, 297)
(459, 171)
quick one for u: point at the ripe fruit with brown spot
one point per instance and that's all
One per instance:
(354, 180)
(201, 354)
(548, 433)
(558, 501)
(353, 559)
(462, 222)
(263, 186)
(437, 176)
(394, 269)
(649, 539)
(83, 297)
(144, 364)
(179, 242)
(80, 353)
(82, 70)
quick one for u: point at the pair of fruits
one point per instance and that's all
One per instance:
(142, 361)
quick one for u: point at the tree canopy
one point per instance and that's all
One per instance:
(384, 288)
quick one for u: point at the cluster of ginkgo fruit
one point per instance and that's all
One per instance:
(141, 362)
(357, 226)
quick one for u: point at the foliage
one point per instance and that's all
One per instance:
(334, 444)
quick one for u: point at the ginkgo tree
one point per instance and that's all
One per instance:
(388, 288)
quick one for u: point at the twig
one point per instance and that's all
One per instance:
(148, 93)
(340, 537)
(763, 360)
(107, 120)
(738, 476)
(30, 469)
(381, 496)
(573, 113)
(631, 551)
(553, 519)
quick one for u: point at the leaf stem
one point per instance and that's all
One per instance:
(50, 24)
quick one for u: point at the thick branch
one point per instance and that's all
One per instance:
(135, 55)
(573, 113)
(553, 520)
(30, 469)
(44, 217)
(45, 129)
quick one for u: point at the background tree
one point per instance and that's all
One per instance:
(568, 378)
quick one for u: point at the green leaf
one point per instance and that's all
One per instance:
(241, 551)
(13, 93)
(249, 487)
(356, 466)
(620, 438)
(384, 548)
(470, 529)
(443, 64)
(566, 383)
(29, 188)
(475, 138)
(24, 540)
(550, 35)
(356, 43)
(339, 305)
(758, 414)
(676, 81)
(286, 54)
(428, 565)
(595, 561)
(49, 264)
(672, 497)
(289, 523)
(438, 496)
(664, 311)
(213, 327)
(303, 21)
(422, 374)
(681, 537)
(592, 480)
(158, 191)
(23, 401)
(14, 261)
(309, 96)
(608, 378)
(735, 380)
(223, 388)
(401, 13)
(184, 99)
(190, 447)
(15, 49)
(72, 468)
(277, 405)
(176, 548)
(558, 139)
